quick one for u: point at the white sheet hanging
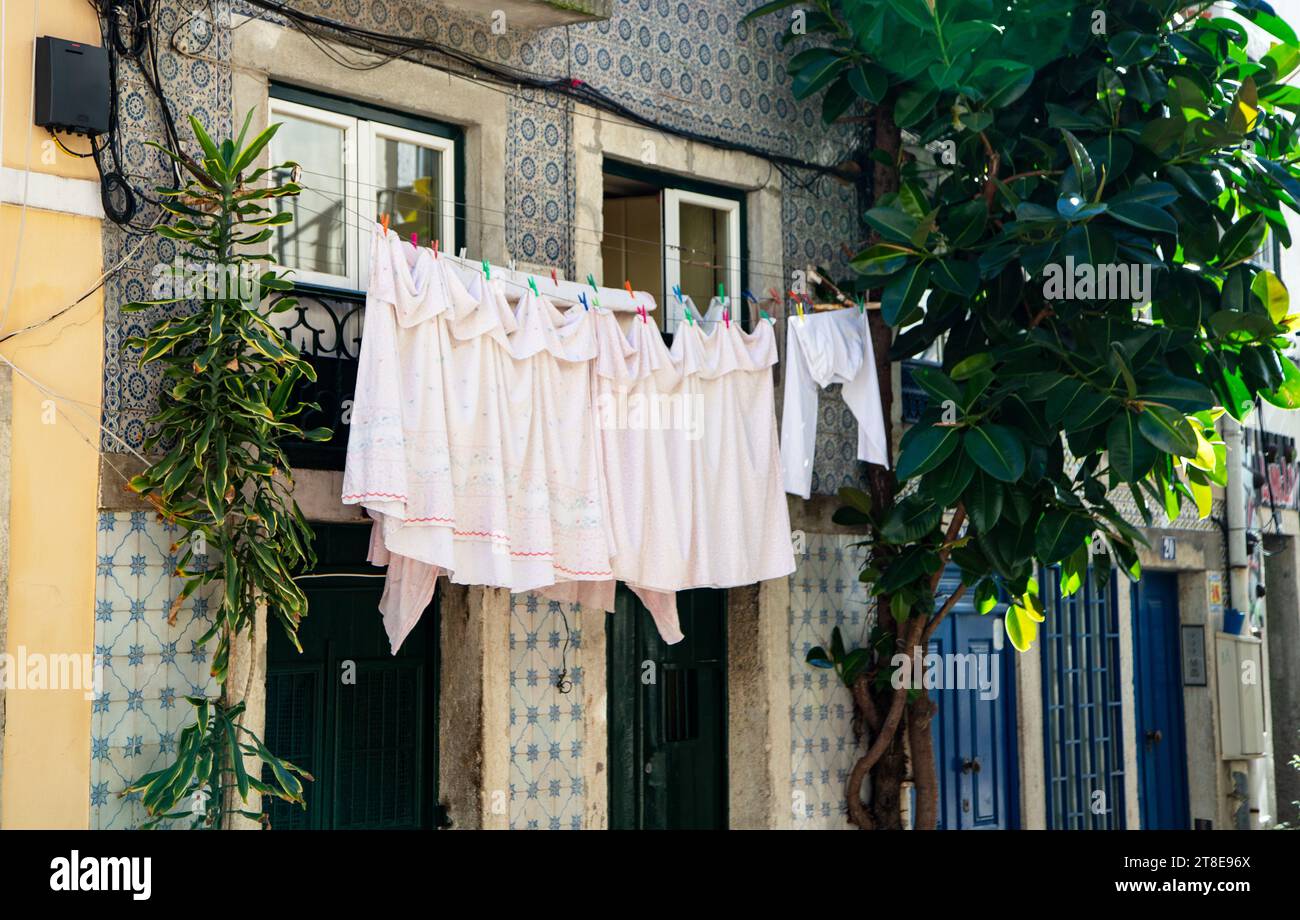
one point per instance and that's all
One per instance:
(690, 452)
(821, 349)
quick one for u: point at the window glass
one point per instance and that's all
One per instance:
(407, 185)
(317, 240)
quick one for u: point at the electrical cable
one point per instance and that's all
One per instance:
(576, 89)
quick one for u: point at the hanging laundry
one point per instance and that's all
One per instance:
(821, 349)
(537, 450)
(690, 452)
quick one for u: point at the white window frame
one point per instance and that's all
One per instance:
(359, 138)
(672, 235)
(372, 131)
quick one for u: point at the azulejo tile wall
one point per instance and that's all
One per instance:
(689, 64)
(148, 665)
(547, 745)
(824, 593)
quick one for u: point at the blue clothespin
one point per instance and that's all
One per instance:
(677, 292)
(749, 295)
(582, 297)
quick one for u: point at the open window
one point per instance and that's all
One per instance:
(356, 163)
(663, 232)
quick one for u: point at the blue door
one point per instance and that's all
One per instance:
(1158, 685)
(975, 725)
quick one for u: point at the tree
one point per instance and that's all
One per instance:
(1086, 188)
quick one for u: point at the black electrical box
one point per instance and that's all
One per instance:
(71, 86)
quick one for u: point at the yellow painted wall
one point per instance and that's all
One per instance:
(45, 775)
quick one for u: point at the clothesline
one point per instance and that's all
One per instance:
(365, 222)
(603, 233)
(355, 219)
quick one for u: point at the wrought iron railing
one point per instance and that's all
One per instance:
(326, 329)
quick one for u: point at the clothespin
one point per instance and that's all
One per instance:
(383, 219)
(722, 292)
(511, 265)
(591, 279)
(726, 316)
(862, 305)
(463, 252)
(487, 270)
(763, 314)
(628, 285)
(415, 240)
(435, 248)
(582, 298)
(749, 295)
(554, 280)
(677, 292)
(776, 295)
(689, 317)
(532, 283)
(645, 315)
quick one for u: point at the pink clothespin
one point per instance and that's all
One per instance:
(435, 248)
(726, 316)
(415, 240)
(644, 315)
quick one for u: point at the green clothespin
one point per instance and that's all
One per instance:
(722, 292)
(762, 314)
(532, 283)
(689, 318)
(862, 305)
(591, 279)
(487, 270)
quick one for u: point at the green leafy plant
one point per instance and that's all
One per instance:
(223, 476)
(1061, 154)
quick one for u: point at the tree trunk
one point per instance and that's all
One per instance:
(920, 713)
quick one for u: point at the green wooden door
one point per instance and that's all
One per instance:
(360, 720)
(668, 716)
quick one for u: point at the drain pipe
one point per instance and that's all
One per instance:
(1241, 807)
(1235, 498)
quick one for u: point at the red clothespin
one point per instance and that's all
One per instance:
(435, 248)
(554, 280)
(383, 219)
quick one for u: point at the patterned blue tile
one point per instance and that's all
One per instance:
(547, 744)
(147, 665)
(824, 593)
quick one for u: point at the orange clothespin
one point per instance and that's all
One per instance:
(383, 219)
(628, 286)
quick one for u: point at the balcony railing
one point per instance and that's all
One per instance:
(326, 329)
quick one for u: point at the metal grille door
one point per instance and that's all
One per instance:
(1082, 707)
